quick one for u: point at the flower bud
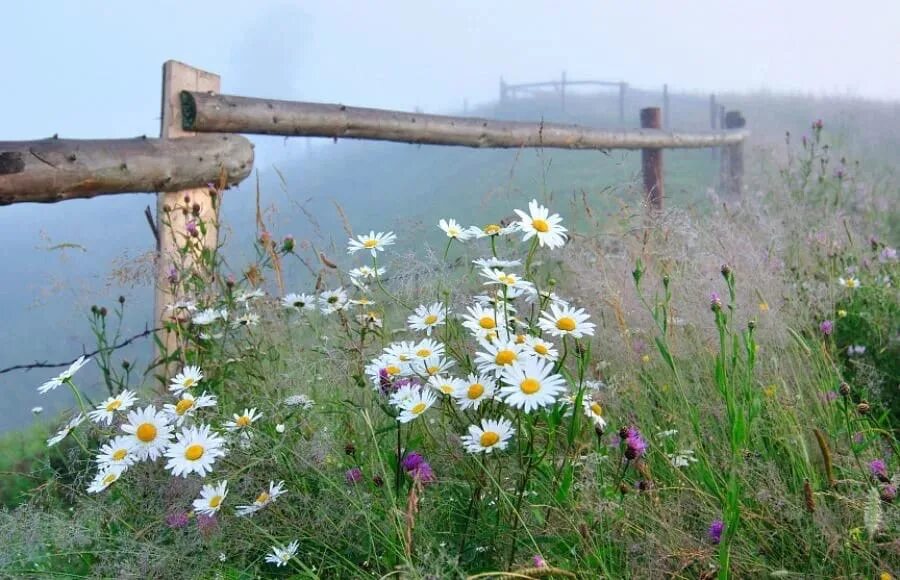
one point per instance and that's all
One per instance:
(863, 408)
(844, 389)
(726, 270)
(121, 300)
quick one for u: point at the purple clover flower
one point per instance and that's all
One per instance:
(353, 475)
(715, 531)
(539, 561)
(826, 327)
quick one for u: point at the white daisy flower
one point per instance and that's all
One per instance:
(682, 459)
(538, 222)
(333, 300)
(181, 305)
(105, 478)
(194, 451)
(494, 230)
(299, 301)
(496, 263)
(246, 319)
(370, 319)
(264, 498)
(67, 428)
(186, 379)
(432, 366)
(281, 555)
(301, 401)
(483, 321)
(150, 432)
(373, 242)
(445, 385)
(531, 385)
(391, 367)
(566, 321)
(362, 301)
(473, 391)
(211, 498)
(455, 231)
(105, 411)
(594, 411)
(498, 355)
(209, 316)
(850, 282)
(497, 301)
(279, 428)
(489, 436)
(404, 395)
(540, 348)
(428, 347)
(245, 297)
(64, 376)
(416, 405)
(545, 297)
(186, 406)
(427, 318)
(244, 420)
(403, 352)
(117, 452)
(512, 282)
(366, 272)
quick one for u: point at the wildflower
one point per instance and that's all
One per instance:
(117, 452)
(405, 392)
(106, 410)
(243, 421)
(186, 406)
(470, 393)
(194, 451)
(770, 390)
(715, 301)
(373, 242)
(265, 497)
(364, 273)
(540, 348)
(191, 228)
(544, 297)
(65, 376)
(246, 319)
(427, 318)
(287, 246)
(150, 432)
(531, 385)
(879, 469)
(207, 524)
(715, 531)
(454, 231)
(428, 348)
(412, 461)
(538, 222)
(245, 297)
(488, 436)
(445, 385)
(826, 327)
(37, 410)
(177, 520)
(482, 321)
(842, 313)
(850, 282)
(104, 478)
(279, 428)
(491, 230)
(180, 306)
(499, 356)
(416, 405)
(889, 493)
(353, 475)
(301, 401)
(539, 561)
(763, 306)
(209, 316)
(682, 459)
(222, 557)
(635, 445)
(186, 379)
(512, 282)
(281, 555)
(888, 255)
(856, 350)
(333, 301)
(211, 498)
(432, 366)
(594, 411)
(566, 321)
(496, 263)
(64, 432)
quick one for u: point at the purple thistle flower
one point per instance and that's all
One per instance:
(635, 445)
(191, 227)
(889, 493)
(287, 245)
(172, 276)
(715, 301)
(879, 469)
(826, 327)
(423, 473)
(353, 475)
(539, 561)
(715, 531)
(888, 255)
(177, 520)
(384, 382)
(412, 461)
(208, 525)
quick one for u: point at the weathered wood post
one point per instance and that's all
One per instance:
(622, 88)
(651, 162)
(665, 107)
(734, 156)
(171, 221)
(562, 92)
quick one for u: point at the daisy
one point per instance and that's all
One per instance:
(416, 405)
(594, 411)
(489, 436)
(186, 406)
(432, 366)
(244, 420)
(366, 272)
(403, 352)
(299, 301)
(150, 432)
(405, 394)
(455, 231)
(496, 263)
(545, 297)
(497, 300)
(540, 348)
(851, 282)
(565, 321)
(538, 222)
(105, 478)
(301, 401)
(333, 300)
(187, 378)
(117, 452)
(247, 319)
(245, 297)
(494, 230)
(209, 316)
(188, 305)
(370, 319)
(106, 410)
(482, 321)
(384, 367)
(474, 390)
(427, 318)
(445, 385)
(683, 458)
(362, 301)
(373, 242)
(194, 451)
(531, 385)
(264, 498)
(64, 432)
(281, 555)
(511, 282)
(499, 355)
(428, 347)
(65, 376)
(211, 498)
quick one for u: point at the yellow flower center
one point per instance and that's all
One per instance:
(392, 370)
(215, 501)
(183, 406)
(530, 386)
(113, 405)
(431, 319)
(453, 232)
(418, 408)
(262, 497)
(146, 432)
(520, 339)
(489, 438)
(596, 409)
(188, 382)
(432, 370)
(541, 349)
(475, 391)
(193, 452)
(541, 225)
(446, 389)
(487, 322)
(507, 279)
(119, 454)
(423, 352)
(505, 357)
(492, 229)
(566, 324)
(110, 478)
(243, 421)
(369, 244)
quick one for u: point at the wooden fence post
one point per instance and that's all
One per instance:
(172, 224)
(665, 108)
(622, 88)
(651, 162)
(734, 156)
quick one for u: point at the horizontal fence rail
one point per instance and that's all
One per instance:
(52, 170)
(209, 112)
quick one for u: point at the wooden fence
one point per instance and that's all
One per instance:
(182, 163)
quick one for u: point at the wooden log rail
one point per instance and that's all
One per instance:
(52, 170)
(209, 112)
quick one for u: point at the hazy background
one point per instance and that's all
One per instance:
(93, 69)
